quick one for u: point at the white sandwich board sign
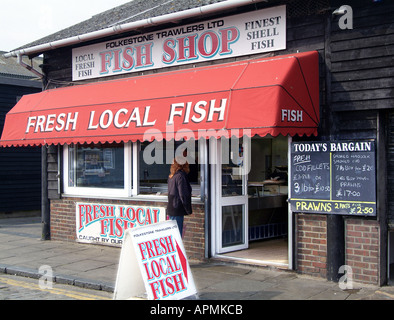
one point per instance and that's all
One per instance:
(153, 263)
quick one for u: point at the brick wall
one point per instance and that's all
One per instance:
(311, 244)
(63, 220)
(194, 234)
(63, 225)
(362, 249)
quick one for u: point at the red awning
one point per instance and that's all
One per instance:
(278, 95)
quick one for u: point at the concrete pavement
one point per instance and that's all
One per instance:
(23, 253)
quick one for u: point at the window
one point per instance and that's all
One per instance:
(126, 169)
(96, 166)
(155, 160)
(153, 168)
(232, 166)
(97, 169)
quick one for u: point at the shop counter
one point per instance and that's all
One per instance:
(267, 209)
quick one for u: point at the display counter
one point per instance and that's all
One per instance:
(267, 209)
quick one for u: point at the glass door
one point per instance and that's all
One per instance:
(231, 195)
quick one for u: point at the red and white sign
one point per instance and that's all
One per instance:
(107, 223)
(277, 95)
(249, 33)
(164, 270)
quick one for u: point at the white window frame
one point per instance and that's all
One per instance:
(128, 189)
(131, 181)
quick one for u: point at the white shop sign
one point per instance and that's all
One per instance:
(107, 223)
(244, 34)
(153, 264)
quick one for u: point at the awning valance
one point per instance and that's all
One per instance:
(278, 95)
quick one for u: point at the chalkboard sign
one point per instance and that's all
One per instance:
(333, 177)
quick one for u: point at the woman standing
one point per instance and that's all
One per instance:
(179, 193)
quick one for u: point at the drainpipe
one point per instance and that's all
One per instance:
(45, 209)
(30, 68)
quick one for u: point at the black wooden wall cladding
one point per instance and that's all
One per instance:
(20, 168)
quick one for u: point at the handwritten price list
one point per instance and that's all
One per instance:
(333, 177)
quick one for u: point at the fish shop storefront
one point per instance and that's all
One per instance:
(232, 96)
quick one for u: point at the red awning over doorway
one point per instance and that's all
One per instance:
(278, 95)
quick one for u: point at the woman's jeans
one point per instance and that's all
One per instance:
(179, 221)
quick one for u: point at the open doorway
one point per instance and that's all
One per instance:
(265, 205)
